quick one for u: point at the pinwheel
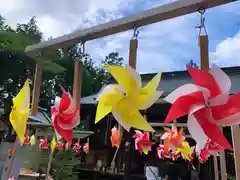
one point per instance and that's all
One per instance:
(53, 144)
(43, 143)
(33, 140)
(211, 148)
(125, 99)
(162, 153)
(207, 104)
(186, 151)
(86, 148)
(11, 178)
(76, 147)
(65, 115)
(60, 145)
(172, 138)
(142, 143)
(20, 111)
(115, 137)
(27, 140)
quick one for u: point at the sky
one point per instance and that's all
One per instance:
(164, 46)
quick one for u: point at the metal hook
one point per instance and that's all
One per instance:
(202, 21)
(82, 49)
(135, 33)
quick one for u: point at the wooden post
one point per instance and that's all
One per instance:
(204, 64)
(223, 165)
(77, 86)
(36, 89)
(131, 62)
(236, 148)
(204, 53)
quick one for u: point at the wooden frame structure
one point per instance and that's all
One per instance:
(161, 13)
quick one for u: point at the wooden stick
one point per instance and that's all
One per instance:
(132, 61)
(12, 160)
(50, 160)
(204, 53)
(36, 89)
(204, 64)
(236, 148)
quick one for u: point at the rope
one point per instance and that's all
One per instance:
(202, 21)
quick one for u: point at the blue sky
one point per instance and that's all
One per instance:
(164, 46)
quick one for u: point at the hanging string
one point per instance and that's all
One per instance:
(135, 33)
(202, 22)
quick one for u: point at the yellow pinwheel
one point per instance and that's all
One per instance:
(20, 111)
(126, 98)
(32, 140)
(53, 144)
(186, 151)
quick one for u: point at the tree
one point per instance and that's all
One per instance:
(192, 64)
(58, 65)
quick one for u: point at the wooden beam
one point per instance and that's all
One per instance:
(169, 124)
(150, 16)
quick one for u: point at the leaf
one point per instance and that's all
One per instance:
(52, 67)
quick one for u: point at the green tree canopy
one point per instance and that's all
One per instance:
(58, 65)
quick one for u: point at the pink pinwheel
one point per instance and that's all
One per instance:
(43, 144)
(76, 147)
(207, 104)
(86, 148)
(142, 143)
(11, 178)
(65, 115)
(211, 148)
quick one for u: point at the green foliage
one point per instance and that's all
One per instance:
(63, 165)
(58, 65)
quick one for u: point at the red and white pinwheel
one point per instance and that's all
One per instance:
(208, 105)
(11, 178)
(60, 145)
(43, 144)
(76, 147)
(65, 115)
(86, 148)
(210, 148)
(142, 142)
(163, 154)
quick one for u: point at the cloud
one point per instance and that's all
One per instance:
(227, 52)
(164, 46)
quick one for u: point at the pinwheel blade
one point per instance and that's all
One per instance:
(20, 111)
